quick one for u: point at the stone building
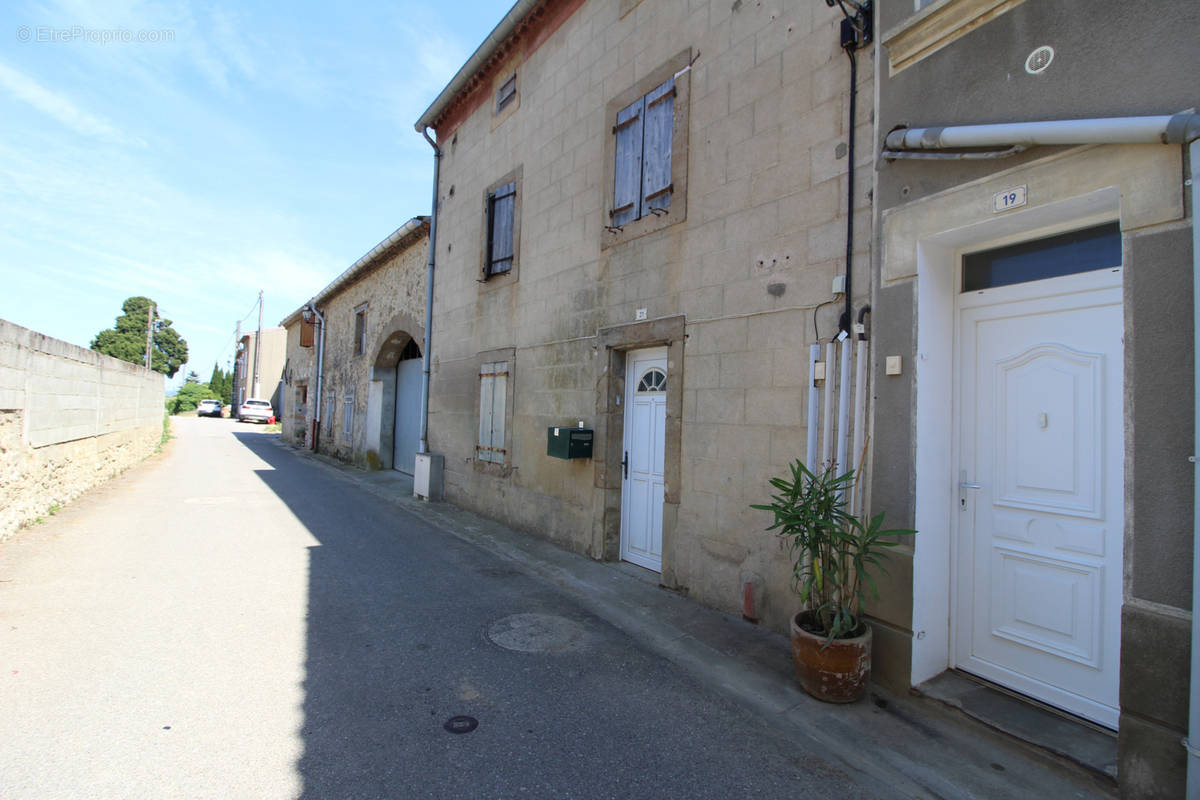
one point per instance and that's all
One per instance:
(642, 214)
(258, 369)
(1039, 299)
(374, 326)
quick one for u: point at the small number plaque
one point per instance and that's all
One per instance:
(1008, 199)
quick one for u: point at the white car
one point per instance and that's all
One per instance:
(209, 408)
(255, 409)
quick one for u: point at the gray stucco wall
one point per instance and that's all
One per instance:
(1112, 58)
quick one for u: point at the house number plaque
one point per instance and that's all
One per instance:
(1008, 199)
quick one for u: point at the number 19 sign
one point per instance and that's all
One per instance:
(1008, 199)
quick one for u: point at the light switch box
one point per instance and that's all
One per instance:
(818, 370)
(894, 365)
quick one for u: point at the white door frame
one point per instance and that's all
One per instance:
(632, 359)
(937, 259)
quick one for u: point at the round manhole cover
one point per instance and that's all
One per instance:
(461, 724)
(535, 633)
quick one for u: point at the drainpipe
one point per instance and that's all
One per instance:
(423, 447)
(1181, 128)
(311, 309)
(1191, 743)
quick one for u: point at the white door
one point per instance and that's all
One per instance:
(642, 485)
(407, 432)
(1040, 502)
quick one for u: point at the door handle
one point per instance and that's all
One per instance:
(625, 465)
(969, 485)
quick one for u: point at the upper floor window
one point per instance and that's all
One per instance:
(360, 329)
(642, 174)
(506, 93)
(501, 227)
(646, 155)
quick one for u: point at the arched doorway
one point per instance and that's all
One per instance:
(394, 413)
(407, 419)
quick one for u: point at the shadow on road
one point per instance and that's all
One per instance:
(397, 646)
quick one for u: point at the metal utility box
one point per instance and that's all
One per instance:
(569, 442)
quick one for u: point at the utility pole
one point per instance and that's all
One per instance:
(149, 332)
(258, 343)
(234, 398)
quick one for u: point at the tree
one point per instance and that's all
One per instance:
(126, 340)
(190, 395)
(221, 383)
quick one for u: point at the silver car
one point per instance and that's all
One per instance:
(257, 410)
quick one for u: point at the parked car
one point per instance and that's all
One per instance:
(209, 408)
(255, 409)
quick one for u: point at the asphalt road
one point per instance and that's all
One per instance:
(226, 620)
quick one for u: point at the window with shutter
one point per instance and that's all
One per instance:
(642, 173)
(348, 414)
(646, 163)
(493, 397)
(506, 93)
(360, 329)
(501, 205)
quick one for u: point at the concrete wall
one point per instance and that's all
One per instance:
(394, 294)
(730, 278)
(70, 418)
(980, 78)
(271, 356)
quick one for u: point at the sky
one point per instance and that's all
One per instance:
(197, 152)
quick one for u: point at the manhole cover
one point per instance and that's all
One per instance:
(535, 633)
(461, 724)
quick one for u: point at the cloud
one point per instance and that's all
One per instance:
(27, 90)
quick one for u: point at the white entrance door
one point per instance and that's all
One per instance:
(642, 485)
(407, 432)
(1040, 501)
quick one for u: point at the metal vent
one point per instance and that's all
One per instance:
(1039, 59)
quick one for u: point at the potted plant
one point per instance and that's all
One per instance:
(834, 554)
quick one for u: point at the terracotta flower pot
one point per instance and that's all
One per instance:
(836, 674)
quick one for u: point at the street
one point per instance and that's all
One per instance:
(230, 619)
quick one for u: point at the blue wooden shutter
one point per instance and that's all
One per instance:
(627, 181)
(493, 397)
(656, 153)
(503, 205)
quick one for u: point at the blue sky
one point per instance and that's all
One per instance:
(228, 147)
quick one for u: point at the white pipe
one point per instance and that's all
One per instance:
(1114, 130)
(843, 424)
(1193, 758)
(860, 417)
(814, 402)
(827, 425)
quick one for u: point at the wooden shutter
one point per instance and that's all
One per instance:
(501, 209)
(627, 181)
(493, 396)
(656, 152)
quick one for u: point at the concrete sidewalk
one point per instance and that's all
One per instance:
(915, 746)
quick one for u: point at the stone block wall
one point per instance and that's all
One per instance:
(70, 418)
(745, 259)
(391, 292)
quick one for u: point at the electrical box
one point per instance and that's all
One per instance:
(569, 442)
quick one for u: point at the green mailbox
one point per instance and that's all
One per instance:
(569, 442)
